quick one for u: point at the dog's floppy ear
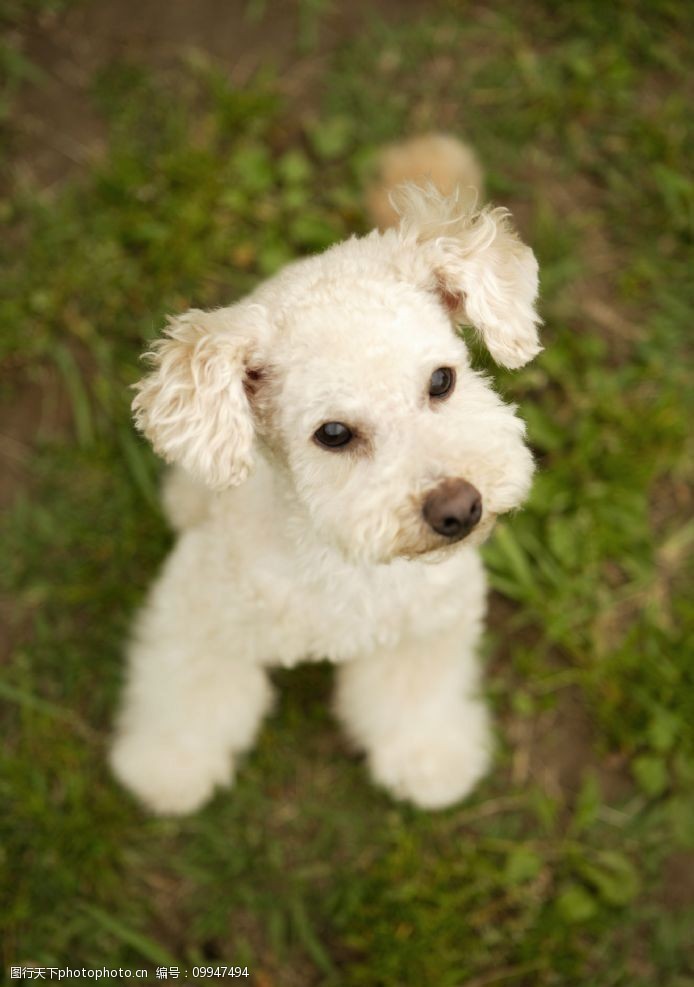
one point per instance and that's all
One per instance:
(193, 405)
(478, 266)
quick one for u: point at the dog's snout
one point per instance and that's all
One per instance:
(453, 508)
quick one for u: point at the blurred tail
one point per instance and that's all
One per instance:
(438, 158)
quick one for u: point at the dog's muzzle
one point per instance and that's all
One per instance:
(453, 509)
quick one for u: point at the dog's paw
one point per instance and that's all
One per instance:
(168, 778)
(433, 772)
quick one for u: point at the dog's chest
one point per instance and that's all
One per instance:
(292, 598)
(320, 611)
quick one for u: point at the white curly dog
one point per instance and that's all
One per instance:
(338, 464)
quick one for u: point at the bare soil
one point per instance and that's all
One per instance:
(59, 128)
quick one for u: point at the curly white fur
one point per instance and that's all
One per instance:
(288, 551)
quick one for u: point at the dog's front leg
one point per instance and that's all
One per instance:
(194, 696)
(414, 709)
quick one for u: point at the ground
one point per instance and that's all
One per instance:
(154, 158)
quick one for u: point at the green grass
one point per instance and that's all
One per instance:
(572, 864)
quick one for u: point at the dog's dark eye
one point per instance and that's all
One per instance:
(441, 382)
(333, 435)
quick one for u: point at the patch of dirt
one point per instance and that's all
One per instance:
(59, 130)
(555, 747)
(678, 880)
(31, 410)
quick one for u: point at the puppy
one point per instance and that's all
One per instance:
(338, 464)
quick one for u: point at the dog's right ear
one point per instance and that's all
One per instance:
(193, 406)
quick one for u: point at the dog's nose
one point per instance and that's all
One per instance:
(453, 508)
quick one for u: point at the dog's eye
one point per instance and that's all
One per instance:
(332, 435)
(442, 382)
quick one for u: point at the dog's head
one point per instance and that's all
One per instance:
(347, 368)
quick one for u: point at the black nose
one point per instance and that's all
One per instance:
(453, 508)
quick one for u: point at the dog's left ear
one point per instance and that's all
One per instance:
(194, 404)
(479, 268)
